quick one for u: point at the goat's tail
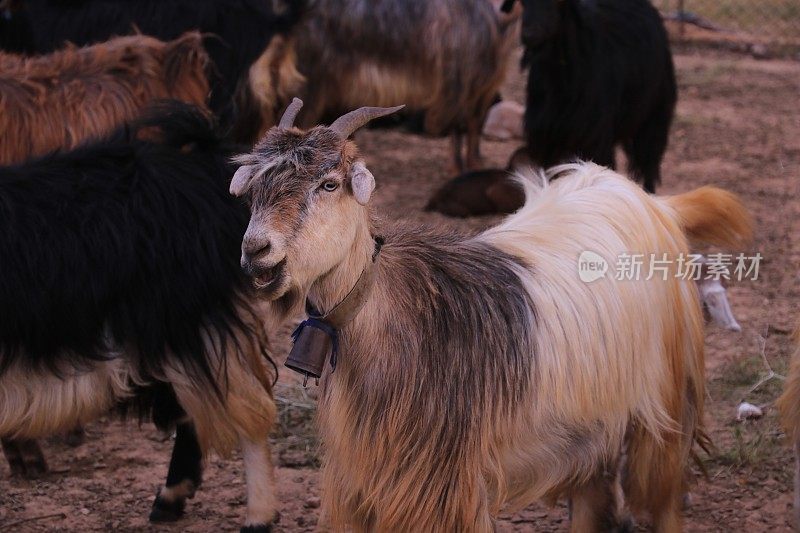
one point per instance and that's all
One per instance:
(713, 216)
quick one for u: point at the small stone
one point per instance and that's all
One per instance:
(84, 511)
(747, 411)
(759, 51)
(311, 503)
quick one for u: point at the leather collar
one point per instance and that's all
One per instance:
(346, 310)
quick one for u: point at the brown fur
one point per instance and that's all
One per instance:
(274, 79)
(713, 216)
(58, 101)
(789, 406)
(480, 372)
(447, 58)
(482, 192)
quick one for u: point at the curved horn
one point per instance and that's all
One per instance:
(347, 124)
(287, 120)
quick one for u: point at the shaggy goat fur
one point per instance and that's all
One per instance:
(61, 100)
(447, 58)
(481, 372)
(235, 34)
(600, 73)
(126, 259)
(789, 406)
(122, 284)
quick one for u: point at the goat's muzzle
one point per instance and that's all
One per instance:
(265, 278)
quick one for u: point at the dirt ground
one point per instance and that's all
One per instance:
(737, 126)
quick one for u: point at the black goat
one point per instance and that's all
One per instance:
(121, 285)
(601, 74)
(237, 33)
(15, 32)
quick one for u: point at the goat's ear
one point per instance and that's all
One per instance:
(362, 181)
(241, 179)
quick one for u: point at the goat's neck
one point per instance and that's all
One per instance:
(332, 287)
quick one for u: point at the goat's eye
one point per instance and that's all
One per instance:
(330, 185)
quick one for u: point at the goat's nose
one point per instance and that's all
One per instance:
(256, 248)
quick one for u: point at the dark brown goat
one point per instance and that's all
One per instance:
(60, 100)
(482, 192)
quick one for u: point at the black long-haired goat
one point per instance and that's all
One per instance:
(121, 284)
(601, 74)
(236, 34)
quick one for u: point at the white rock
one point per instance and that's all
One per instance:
(748, 410)
(504, 121)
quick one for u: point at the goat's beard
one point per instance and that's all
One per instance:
(290, 303)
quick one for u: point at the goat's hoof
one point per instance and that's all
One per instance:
(17, 468)
(28, 468)
(166, 511)
(75, 438)
(257, 528)
(36, 468)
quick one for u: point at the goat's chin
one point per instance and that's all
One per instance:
(274, 290)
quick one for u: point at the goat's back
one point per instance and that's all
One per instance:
(446, 57)
(129, 243)
(58, 101)
(235, 32)
(606, 345)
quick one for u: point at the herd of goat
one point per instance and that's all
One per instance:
(163, 219)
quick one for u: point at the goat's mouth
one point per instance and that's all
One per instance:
(270, 279)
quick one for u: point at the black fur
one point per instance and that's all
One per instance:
(16, 34)
(25, 458)
(601, 73)
(237, 31)
(185, 465)
(127, 242)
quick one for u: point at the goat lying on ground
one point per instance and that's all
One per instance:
(481, 372)
(445, 57)
(240, 36)
(789, 406)
(482, 192)
(59, 101)
(121, 283)
(600, 74)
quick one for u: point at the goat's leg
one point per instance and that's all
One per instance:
(797, 485)
(13, 457)
(261, 500)
(474, 159)
(457, 139)
(25, 458)
(183, 478)
(75, 437)
(646, 149)
(656, 476)
(595, 507)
